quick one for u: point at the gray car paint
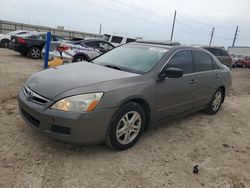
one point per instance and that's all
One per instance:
(165, 98)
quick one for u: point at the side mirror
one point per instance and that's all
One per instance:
(170, 73)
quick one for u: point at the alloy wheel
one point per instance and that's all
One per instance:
(217, 101)
(35, 53)
(128, 127)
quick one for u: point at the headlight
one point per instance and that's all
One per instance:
(78, 103)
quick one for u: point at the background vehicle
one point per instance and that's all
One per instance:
(117, 40)
(245, 63)
(236, 60)
(221, 54)
(31, 44)
(123, 92)
(5, 38)
(84, 50)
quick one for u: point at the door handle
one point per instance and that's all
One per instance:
(217, 76)
(192, 81)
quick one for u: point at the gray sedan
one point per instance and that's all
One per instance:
(121, 94)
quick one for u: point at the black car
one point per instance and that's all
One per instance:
(31, 44)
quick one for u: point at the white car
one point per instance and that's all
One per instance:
(5, 38)
(84, 50)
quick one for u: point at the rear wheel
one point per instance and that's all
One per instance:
(79, 58)
(5, 43)
(35, 52)
(126, 126)
(215, 104)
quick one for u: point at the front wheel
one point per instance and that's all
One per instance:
(126, 126)
(215, 104)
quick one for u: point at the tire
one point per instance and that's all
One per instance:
(5, 43)
(35, 52)
(215, 104)
(244, 66)
(121, 136)
(79, 58)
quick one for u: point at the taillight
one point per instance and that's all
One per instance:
(62, 48)
(21, 40)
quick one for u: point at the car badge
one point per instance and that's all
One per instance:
(29, 95)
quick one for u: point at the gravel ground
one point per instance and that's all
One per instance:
(165, 157)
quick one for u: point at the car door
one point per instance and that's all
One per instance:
(208, 76)
(177, 95)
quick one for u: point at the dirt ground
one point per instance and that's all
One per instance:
(165, 157)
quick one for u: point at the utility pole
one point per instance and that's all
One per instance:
(100, 29)
(212, 36)
(172, 33)
(235, 35)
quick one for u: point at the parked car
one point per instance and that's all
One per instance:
(123, 93)
(84, 50)
(31, 44)
(5, 38)
(221, 54)
(237, 59)
(245, 63)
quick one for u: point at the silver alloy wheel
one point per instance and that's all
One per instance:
(35, 53)
(217, 101)
(128, 127)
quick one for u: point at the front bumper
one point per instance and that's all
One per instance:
(72, 127)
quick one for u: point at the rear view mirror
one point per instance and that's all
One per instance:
(170, 73)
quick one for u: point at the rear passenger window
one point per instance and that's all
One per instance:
(203, 61)
(182, 60)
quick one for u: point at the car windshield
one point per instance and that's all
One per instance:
(132, 58)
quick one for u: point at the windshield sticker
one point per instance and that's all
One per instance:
(157, 49)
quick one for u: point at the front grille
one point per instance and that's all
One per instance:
(60, 130)
(31, 119)
(32, 96)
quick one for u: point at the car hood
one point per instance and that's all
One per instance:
(53, 81)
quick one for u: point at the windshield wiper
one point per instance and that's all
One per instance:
(112, 67)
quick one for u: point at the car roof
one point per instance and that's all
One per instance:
(214, 47)
(91, 40)
(166, 45)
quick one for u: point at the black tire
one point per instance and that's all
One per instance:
(79, 58)
(5, 43)
(211, 109)
(35, 52)
(130, 108)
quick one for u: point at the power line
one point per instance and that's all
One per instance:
(123, 13)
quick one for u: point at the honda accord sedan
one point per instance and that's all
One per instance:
(121, 94)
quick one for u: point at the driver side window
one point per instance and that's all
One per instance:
(183, 60)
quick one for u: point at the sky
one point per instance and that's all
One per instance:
(150, 19)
